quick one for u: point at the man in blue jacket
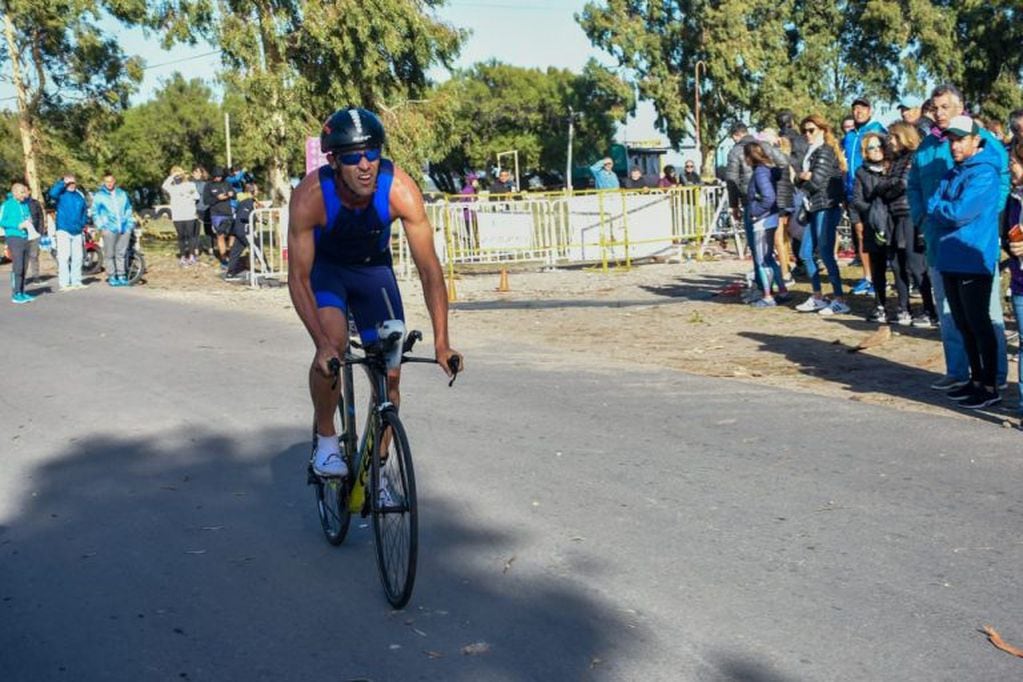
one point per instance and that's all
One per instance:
(111, 212)
(70, 221)
(932, 160)
(965, 221)
(862, 124)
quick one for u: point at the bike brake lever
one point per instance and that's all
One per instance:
(454, 364)
(334, 365)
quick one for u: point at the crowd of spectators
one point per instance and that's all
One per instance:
(931, 199)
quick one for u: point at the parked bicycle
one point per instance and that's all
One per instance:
(380, 463)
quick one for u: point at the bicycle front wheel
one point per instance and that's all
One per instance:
(332, 494)
(395, 519)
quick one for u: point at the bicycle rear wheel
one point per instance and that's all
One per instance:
(395, 519)
(332, 495)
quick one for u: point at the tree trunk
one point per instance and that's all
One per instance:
(25, 123)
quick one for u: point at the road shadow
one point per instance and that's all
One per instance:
(135, 558)
(542, 304)
(716, 288)
(735, 668)
(863, 373)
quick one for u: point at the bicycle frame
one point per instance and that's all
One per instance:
(361, 450)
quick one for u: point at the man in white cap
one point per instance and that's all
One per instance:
(965, 222)
(931, 161)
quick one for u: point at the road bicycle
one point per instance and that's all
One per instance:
(381, 481)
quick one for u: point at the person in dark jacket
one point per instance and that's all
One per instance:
(878, 229)
(218, 194)
(690, 176)
(39, 223)
(909, 264)
(762, 208)
(820, 178)
(240, 230)
(737, 171)
(1012, 241)
(965, 218)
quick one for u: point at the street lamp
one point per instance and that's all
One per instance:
(696, 75)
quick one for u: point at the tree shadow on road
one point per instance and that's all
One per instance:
(156, 558)
(864, 373)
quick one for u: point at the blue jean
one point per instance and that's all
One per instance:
(957, 364)
(820, 235)
(1017, 306)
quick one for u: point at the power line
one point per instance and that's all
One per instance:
(178, 61)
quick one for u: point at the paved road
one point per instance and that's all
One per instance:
(583, 522)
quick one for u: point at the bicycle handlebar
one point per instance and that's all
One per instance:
(334, 364)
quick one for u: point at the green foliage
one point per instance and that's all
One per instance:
(181, 125)
(763, 55)
(500, 108)
(291, 64)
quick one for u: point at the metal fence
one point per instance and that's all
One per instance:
(605, 227)
(268, 246)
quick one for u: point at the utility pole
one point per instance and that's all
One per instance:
(25, 126)
(699, 149)
(568, 164)
(227, 136)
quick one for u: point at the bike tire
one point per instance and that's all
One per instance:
(136, 268)
(332, 495)
(92, 262)
(396, 527)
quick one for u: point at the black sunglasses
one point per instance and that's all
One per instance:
(353, 158)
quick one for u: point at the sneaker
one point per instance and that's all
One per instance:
(763, 303)
(980, 399)
(329, 464)
(812, 305)
(18, 298)
(113, 281)
(836, 308)
(914, 292)
(861, 287)
(385, 498)
(752, 295)
(948, 383)
(965, 391)
(922, 322)
(904, 319)
(27, 298)
(878, 315)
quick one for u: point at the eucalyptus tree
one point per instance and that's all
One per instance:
(292, 62)
(56, 57)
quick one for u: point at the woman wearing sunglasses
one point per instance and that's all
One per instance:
(821, 181)
(906, 251)
(878, 228)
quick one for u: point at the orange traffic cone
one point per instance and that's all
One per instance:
(503, 286)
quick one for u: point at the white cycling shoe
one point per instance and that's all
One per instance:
(328, 462)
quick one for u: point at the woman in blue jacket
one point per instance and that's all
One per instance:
(965, 220)
(762, 203)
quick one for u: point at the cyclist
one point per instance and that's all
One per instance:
(339, 236)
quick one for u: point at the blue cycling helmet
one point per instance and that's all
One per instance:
(351, 128)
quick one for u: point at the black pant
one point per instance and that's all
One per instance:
(188, 237)
(241, 241)
(969, 297)
(878, 275)
(19, 261)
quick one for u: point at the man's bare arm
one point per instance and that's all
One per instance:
(407, 205)
(303, 215)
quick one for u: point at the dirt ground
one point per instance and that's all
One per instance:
(671, 315)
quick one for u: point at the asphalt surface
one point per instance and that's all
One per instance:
(578, 521)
